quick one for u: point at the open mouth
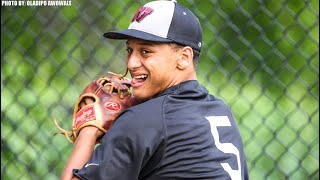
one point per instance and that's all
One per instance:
(137, 80)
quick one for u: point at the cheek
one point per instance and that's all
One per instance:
(162, 64)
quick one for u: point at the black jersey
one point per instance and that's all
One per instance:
(184, 133)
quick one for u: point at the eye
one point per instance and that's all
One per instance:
(129, 50)
(145, 51)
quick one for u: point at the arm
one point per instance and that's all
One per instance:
(91, 113)
(82, 151)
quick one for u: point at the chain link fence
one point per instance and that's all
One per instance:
(261, 57)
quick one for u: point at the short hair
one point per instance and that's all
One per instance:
(196, 53)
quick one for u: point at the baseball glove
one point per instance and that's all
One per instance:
(111, 96)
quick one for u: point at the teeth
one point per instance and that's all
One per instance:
(141, 76)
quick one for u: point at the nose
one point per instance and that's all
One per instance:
(133, 61)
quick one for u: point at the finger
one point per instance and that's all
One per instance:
(82, 104)
(89, 100)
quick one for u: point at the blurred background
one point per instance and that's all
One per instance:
(261, 57)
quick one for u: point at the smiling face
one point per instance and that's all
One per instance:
(155, 67)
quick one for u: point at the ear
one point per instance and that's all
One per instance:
(186, 58)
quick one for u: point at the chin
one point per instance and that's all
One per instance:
(137, 96)
(140, 97)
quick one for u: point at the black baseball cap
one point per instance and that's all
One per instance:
(163, 21)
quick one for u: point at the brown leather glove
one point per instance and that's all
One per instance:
(111, 96)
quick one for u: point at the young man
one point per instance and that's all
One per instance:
(180, 131)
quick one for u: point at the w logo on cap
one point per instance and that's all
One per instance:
(141, 14)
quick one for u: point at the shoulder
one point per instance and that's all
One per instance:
(150, 110)
(138, 132)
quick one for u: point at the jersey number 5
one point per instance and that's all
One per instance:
(216, 121)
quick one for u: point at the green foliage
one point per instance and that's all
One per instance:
(261, 57)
